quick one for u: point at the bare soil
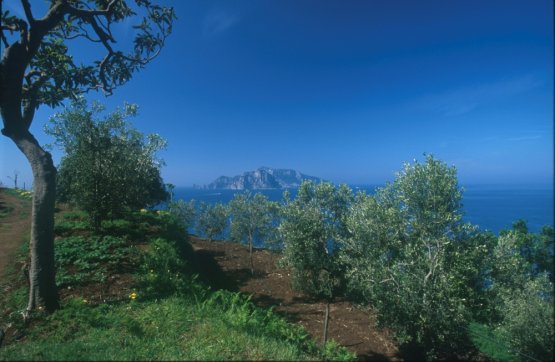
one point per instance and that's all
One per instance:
(13, 227)
(226, 265)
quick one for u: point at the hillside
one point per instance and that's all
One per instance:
(262, 178)
(129, 292)
(226, 265)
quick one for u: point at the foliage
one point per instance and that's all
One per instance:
(491, 343)
(82, 260)
(409, 256)
(54, 75)
(252, 218)
(164, 271)
(312, 226)
(212, 220)
(184, 211)
(109, 167)
(528, 321)
(536, 249)
(523, 293)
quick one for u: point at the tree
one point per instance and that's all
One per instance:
(410, 257)
(184, 211)
(523, 293)
(313, 225)
(37, 69)
(109, 167)
(252, 217)
(212, 219)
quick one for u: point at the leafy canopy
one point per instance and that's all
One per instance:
(39, 68)
(312, 227)
(109, 167)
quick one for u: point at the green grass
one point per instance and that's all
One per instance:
(24, 198)
(169, 315)
(170, 329)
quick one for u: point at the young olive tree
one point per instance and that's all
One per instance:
(252, 217)
(36, 68)
(409, 256)
(109, 167)
(184, 211)
(523, 296)
(313, 225)
(212, 220)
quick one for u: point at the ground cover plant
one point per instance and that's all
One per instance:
(129, 293)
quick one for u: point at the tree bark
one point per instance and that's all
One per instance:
(250, 256)
(42, 274)
(326, 319)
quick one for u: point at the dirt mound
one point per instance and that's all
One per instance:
(226, 265)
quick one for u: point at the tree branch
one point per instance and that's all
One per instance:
(30, 103)
(83, 13)
(28, 13)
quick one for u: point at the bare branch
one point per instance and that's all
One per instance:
(28, 13)
(11, 28)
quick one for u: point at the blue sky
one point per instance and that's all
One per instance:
(345, 90)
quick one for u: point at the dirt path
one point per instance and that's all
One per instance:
(226, 266)
(13, 227)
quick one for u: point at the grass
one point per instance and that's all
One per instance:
(162, 312)
(24, 198)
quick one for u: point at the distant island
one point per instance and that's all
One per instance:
(262, 178)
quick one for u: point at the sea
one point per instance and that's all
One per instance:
(491, 207)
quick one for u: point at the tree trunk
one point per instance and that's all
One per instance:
(250, 256)
(42, 273)
(326, 318)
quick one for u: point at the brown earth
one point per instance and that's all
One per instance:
(13, 227)
(226, 265)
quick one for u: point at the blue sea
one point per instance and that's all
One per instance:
(491, 207)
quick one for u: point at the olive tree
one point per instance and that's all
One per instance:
(523, 294)
(109, 167)
(212, 220)
(184, 211)
(37, 68)
(252, 217)
(409, 255)
(313, 225)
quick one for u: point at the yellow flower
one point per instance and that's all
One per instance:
(143, 211)
(133, 296)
